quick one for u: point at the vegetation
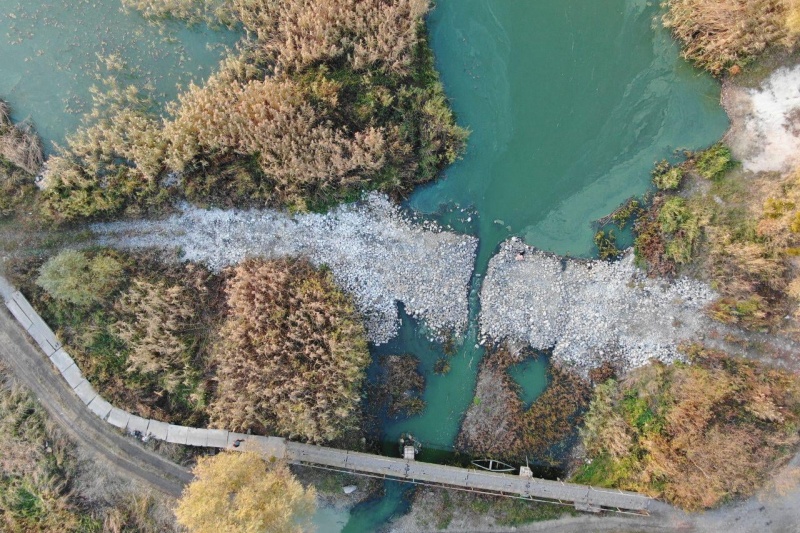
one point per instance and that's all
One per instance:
(667, 177)
(740, 233)
(40, 479)
(75, 278)
(713, 162)
(291, 354)
(20, 160)
(727, 34)
(500, 426)
(328, 99)
(666, 235)
(243, 492)
(138, 329)
(403, 385)
(696, 434)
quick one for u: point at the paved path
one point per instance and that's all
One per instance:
(84, 399)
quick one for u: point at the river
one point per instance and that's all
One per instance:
(569, 102)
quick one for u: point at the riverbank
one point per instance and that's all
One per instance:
(376, 254)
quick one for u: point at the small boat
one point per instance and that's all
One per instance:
(493, 465)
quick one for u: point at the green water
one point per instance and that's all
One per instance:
(570, 102)
(53, 51)
(531, 376)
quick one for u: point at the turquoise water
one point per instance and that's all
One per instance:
(569, 102)
(531, 376)
(53, 51)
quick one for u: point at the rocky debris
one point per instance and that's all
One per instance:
(588, 312)
(375, 253)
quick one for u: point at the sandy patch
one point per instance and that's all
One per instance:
(765, 122)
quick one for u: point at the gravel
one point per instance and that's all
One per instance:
(588, 312)
(375, 253)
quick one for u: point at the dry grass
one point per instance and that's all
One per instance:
(19, 144)
(696, 434)
(291, 355)
(726, 34)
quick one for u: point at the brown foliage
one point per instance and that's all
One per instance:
(695, 434)
(292, 353)
(299, 150)
(718, 34)
(152, 320)
(19, 144)
(298, 33)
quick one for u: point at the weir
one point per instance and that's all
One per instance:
(582, 497)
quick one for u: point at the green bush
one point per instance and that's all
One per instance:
(714, 162)
(666, 177)
(73, 277)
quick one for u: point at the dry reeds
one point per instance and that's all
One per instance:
(718, 34)
(19, 144)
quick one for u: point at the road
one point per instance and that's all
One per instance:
(94, 435)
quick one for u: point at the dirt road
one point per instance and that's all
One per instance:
(95, 436)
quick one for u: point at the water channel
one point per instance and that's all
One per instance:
(569, 103)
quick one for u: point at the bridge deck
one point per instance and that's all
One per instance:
(582, 496)
(478, 480)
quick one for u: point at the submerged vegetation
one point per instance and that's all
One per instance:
(403, 385)
(325, 100)
(498, 425)
(696, 434)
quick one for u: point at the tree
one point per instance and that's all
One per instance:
(242, 493)
(73, 277)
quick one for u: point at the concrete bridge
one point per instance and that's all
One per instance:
(582, 497)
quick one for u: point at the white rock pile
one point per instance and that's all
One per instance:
(588, 312)
(374, 252)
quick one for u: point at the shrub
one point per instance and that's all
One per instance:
(291, 354)
(244, 492)
(74, 277)
(695, 434)
(666, 177)
(714, 162)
